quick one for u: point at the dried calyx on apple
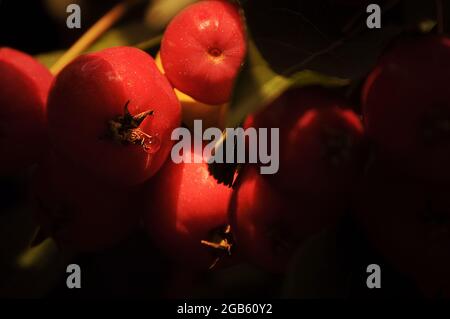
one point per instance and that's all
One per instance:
(87, 100)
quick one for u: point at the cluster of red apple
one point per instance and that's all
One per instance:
(100, 131)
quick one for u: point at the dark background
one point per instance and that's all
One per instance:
(26, 25)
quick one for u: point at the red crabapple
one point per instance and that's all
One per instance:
(186, 214)
(268, 226)
(321, 141)
(203, 49)
(24, 86)
(408, 222)
(113, 113)
(211, 115)
(406, 106)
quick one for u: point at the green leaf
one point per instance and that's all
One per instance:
(318, 269)
(258, 85)
(26, 272)
(132, 34)
(323, 35)
(129, 34)
(49, 58)
(160, 12)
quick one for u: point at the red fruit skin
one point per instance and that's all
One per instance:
(92, 90)
(407, 221)
(203, 49)
(183, 205)
(268, 226)
(309, 120)
(81, 213)
(24, 86)
(407, 88)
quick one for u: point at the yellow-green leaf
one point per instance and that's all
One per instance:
(134, 33)
(258, 85)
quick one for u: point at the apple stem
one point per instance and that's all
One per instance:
(94, 32)
(440, 16)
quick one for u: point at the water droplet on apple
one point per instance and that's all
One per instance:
(152, 144)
